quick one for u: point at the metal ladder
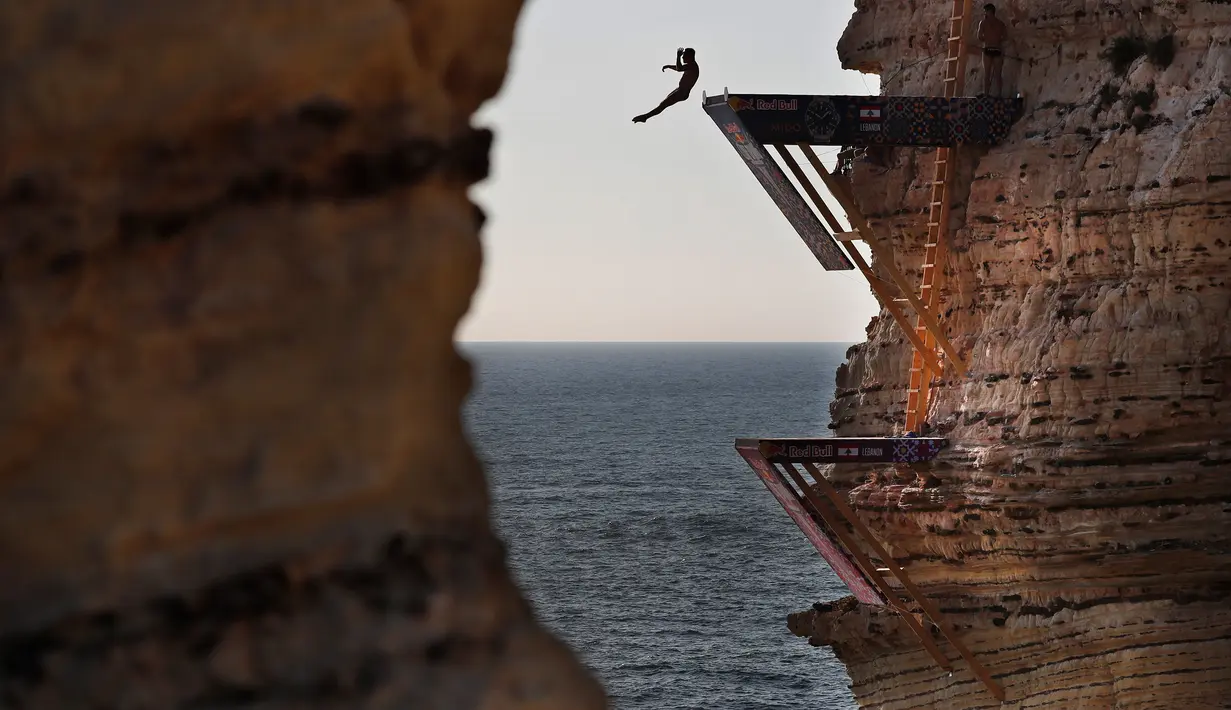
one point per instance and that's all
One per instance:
(936, 249)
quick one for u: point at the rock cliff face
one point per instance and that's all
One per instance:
(235, 242)
(1078, 531)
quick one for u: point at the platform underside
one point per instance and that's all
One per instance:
(775, 460)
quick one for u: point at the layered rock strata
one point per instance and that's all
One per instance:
(1078, 531)
(235, 242)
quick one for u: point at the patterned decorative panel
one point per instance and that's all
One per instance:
(865, 450)
(873, 120)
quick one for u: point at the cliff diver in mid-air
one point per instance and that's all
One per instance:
(686, 64)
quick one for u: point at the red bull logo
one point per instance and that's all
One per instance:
(777, 105)
(738, 104)
(774, 450)
(809, 451)
(769, 450)
(736, 133)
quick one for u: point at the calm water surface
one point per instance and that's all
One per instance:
(639, 535)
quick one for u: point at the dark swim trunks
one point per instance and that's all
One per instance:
(991, 51)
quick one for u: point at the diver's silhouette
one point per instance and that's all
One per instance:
(686, 64)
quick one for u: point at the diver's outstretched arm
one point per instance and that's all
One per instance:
(679, 61)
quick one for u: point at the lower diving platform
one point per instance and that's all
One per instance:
(843, 540)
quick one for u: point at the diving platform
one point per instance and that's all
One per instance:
(834, 247)
(837, 533)
(752, 121)
(862, 121)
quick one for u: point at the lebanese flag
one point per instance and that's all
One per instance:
(869, 112)
(848, 450)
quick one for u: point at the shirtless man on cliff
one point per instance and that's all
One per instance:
(992, 33)
(686, 64)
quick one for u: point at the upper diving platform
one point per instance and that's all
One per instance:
(919, 121)
(752, 121)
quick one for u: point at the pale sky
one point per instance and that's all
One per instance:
(604, 230)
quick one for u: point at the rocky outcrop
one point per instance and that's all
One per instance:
(235, 245)
(1078, 531)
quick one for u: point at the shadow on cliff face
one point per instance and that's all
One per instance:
(236, 245)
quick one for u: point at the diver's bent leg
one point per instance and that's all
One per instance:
(647, 116)
(673, 98)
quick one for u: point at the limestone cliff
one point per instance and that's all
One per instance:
(235, 242)
(1078, 531)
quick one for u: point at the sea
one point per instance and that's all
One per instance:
(638, 534)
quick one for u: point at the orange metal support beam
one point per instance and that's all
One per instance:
(842, 194)
(879, 287)
(834, 523)
(929, 607)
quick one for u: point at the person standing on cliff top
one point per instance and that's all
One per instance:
(686, 64)
(992, 33)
